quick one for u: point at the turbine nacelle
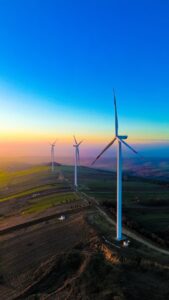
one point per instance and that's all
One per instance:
(76, 143)
(53, 144)
(122, 137)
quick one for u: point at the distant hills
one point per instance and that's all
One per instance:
(154, 168)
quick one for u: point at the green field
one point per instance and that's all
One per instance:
(144, 202)
(154, 220)
(51, 201)
(13, 182)
(26, 190)
(102, 184)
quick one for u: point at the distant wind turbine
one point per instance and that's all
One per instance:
(120, 140)
(52, 155)
(77, 159)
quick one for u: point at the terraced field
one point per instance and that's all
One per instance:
(32, 192)
(14, 182)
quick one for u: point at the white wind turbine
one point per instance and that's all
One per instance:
(120, 140)
(52, 155)
(77, 159)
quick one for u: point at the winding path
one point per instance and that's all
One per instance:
(126, 231)
(133, 235)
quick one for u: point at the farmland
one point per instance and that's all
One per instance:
(70, 260)
(145, 202)
(35, 189)
(32, 192)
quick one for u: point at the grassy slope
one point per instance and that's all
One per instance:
(51, 201)
(30, 182)
(138, 194)
(12, 182)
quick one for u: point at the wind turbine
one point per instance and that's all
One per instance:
(52, 155)
(120, 140)
(77, 159)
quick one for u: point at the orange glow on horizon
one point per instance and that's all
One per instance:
(39, 138)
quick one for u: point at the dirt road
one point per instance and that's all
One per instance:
(126, 231)
(132, 234)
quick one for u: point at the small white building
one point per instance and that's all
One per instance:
(61, 218)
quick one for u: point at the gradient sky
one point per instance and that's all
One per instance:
(59, 62)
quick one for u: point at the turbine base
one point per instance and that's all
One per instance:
(123, 242)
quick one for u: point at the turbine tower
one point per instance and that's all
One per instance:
(120, 140)
(52, 155)
(77, 159)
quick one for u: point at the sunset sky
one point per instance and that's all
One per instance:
(59, 63)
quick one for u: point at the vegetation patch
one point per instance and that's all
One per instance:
(51, 201)
(28, 192)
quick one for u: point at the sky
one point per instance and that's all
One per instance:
(59, 63)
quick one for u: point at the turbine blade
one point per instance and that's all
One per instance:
(54, 142)
(111, 143)
(80, 143)
(116, 116)
(131, 148)
(75, 140)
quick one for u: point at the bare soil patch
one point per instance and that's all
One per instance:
(24, 251)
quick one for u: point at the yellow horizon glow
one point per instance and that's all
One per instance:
(39, 137)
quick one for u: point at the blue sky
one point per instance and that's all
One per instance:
(59, 61)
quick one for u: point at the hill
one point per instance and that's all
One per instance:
(42, 257)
